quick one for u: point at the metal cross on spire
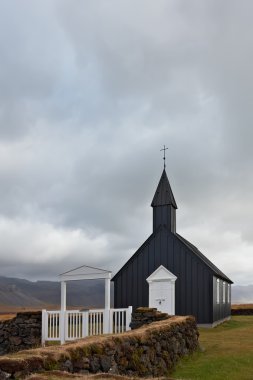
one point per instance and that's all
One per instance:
(164, 158)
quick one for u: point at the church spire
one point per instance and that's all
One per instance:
(164, 205)
(163, 195)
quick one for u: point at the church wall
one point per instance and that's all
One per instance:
(222, 309)
(193, 287)
(194, 284)
(137, 270)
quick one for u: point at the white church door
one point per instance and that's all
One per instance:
(162, 290)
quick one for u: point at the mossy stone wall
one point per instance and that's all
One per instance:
(146, 315)
(242, 311)
(20, 333)
(151, 350)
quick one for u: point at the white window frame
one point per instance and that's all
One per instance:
(217, 291)
(224, 292)
(229, 293)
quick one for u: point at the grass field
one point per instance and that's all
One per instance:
(226, 353)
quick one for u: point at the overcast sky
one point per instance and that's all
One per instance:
(89, 93)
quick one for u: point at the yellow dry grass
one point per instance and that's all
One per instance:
(6, 317)
(57, 375)
(5, 309)
(242, 306)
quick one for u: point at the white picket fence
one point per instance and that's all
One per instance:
(72, 324)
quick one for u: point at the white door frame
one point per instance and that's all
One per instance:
(166, 279)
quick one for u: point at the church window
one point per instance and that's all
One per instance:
(224, 292)
(218, 290)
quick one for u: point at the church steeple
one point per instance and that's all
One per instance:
(164, 205)
(163, 195)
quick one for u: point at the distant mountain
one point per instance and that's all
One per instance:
(242, 294)
(20, 292)
(12, 296)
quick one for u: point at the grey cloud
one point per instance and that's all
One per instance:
(88, 94)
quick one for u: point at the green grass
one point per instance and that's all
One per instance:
(226, 353)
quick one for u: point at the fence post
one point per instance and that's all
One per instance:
(128, 317)
(111, 320)
(62, 326)
(106, 321)
(85, 325)
(43, 327)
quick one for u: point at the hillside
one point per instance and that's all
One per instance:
(20, 292)
(13, 296)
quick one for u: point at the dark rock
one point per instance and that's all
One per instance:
(109, 351)
(67, 366)
(114, 369)
(106, 363)
(158, 348)
(4, 375)
(82, 363)
(15, 340)
(94, 364)
(11, 366)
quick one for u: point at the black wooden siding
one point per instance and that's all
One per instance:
(164, 215)
(194, 284)
(221, 310)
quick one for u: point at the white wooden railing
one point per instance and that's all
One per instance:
(72, 324)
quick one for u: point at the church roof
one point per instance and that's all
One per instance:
(140, 249)
(195, 250)
(190, 246)
(163, 195)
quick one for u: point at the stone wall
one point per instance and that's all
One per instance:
(20, 333)
(151, 350)
(242, 311)
(145, 316)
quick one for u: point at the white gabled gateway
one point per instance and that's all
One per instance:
(85, 272)
(64, 325)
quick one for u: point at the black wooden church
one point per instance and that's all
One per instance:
(170, 273)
